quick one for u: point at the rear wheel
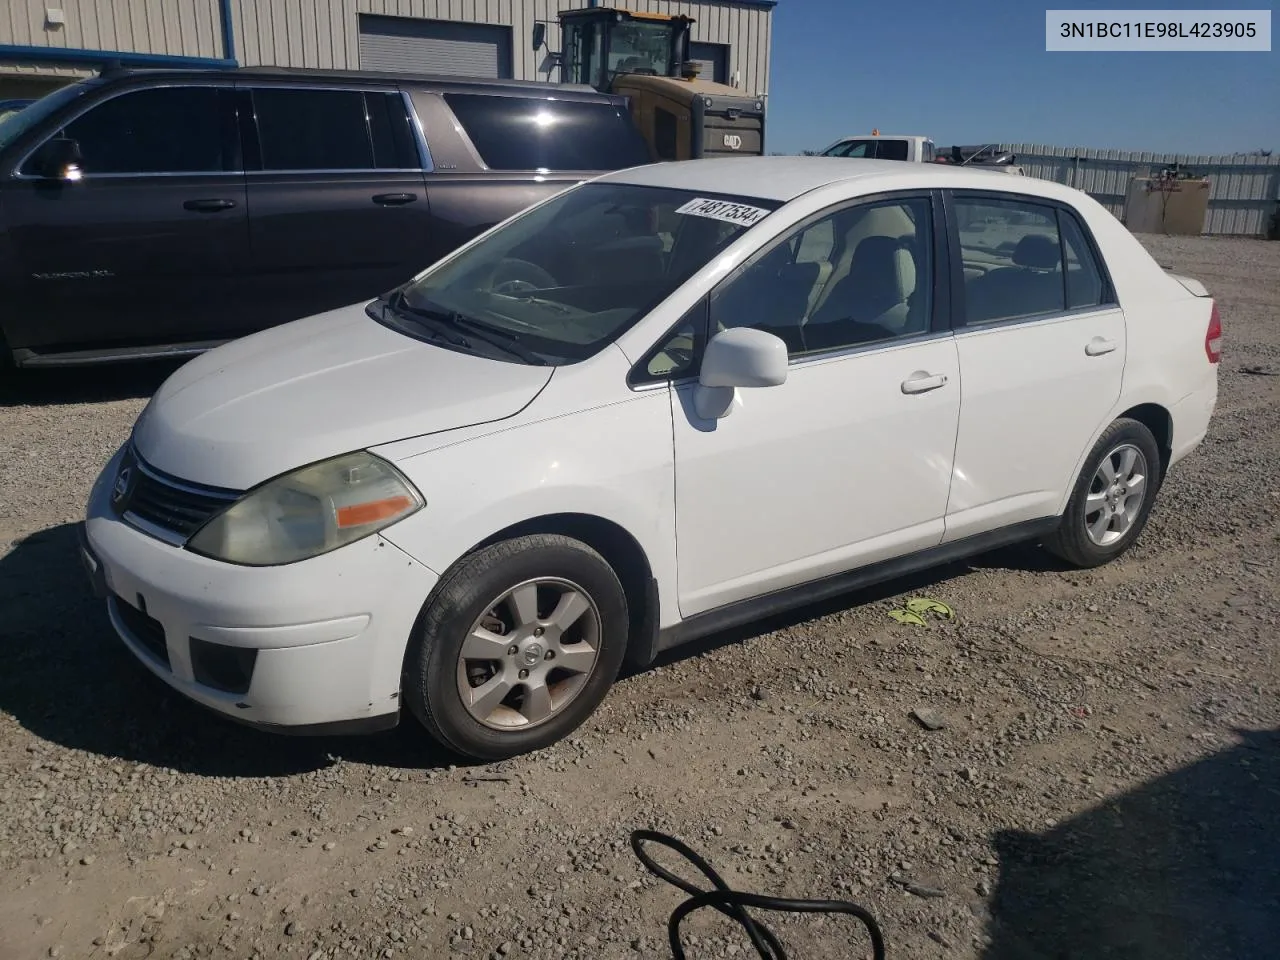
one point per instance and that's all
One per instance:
(1112, 498)
(518, 647)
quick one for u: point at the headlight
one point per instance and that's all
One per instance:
(309, 512)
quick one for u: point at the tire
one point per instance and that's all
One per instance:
(537, 689)
(1091, 533)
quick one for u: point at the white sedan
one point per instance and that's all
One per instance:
(664, 402)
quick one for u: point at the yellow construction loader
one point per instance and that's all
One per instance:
(645, 57)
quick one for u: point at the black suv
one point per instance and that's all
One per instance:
(148, 213)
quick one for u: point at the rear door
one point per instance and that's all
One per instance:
(338, 208)
(1042, 354)
(150, 243)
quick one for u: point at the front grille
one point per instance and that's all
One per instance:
(172, 505)
(147, 630)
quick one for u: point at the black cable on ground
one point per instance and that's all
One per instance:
(732, 903)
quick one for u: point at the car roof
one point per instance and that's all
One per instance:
(323, 75)
(785, 178)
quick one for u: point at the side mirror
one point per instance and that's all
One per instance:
(741, 357)
(60, 159)
(539, 36)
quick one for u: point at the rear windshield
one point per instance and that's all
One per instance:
(532, 133)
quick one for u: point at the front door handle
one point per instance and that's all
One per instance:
(1098, 346)
(394, 199)
(923, 382)
(208, 206)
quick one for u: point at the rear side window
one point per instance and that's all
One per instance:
(160, 130)
(527, 133)
(891, 150)
(1085, 286)
(332, 130)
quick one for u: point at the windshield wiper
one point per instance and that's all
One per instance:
(435, 322)
(497, 338)
(446, 324)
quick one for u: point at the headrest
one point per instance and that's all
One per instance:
(1038, 251)
(872, 251)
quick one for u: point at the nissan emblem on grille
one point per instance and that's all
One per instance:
(123, 487)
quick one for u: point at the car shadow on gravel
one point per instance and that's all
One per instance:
(1184, 867)
(56, 386)
(67, 679)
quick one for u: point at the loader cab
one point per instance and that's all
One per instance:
(600, 43)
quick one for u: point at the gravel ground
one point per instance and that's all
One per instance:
(1106, 782)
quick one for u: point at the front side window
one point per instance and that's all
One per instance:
(28, 117)
(529, 133)
(853, 148)
(156, 130)
(566, 278)
(332, 130)
(1012, 252)
(860, 276)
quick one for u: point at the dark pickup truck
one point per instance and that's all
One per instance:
(157, 213)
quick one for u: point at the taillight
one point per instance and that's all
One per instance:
(1213, 337)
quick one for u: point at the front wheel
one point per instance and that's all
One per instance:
(518, 647)
(1112, 498)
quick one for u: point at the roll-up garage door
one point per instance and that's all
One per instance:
(714, 60)
(409, 45)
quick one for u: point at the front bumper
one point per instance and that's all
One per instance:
(308, 647)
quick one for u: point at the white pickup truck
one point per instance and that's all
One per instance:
(915, 149)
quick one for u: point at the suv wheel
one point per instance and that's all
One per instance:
(519, 645)
(1112, 498)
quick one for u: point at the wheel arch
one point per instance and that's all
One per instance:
(1159, 421)
(1155, 416)
(620, 549)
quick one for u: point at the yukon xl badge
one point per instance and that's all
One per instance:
(74, 275)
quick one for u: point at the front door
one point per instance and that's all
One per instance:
(147, 246)
(1042, 353)
(337, 199)
(849, 461)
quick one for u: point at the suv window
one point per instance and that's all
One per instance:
(156, 130)
(527, 133)
(862, 275)
(332, 130)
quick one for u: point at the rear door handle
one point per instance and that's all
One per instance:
(394, 199)
(1098, 346)
(922, 382)
(208, 206)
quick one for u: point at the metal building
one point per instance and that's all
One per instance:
(46, 43)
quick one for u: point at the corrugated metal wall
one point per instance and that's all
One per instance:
(180, 27)
(1243, 190)
(315, 33)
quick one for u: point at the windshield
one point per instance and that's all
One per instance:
(638, 47)
(15, 126)
(565, 279)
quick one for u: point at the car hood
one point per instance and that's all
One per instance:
(315, 388)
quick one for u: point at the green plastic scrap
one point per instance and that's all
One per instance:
(929, 605)
(906, 616)
(914, 610)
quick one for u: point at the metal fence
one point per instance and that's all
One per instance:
(1244, 191)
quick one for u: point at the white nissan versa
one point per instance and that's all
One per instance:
(666, 401)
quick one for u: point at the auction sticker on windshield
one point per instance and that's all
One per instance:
(739, 213)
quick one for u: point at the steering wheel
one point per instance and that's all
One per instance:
(515, 277)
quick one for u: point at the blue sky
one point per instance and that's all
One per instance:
(976, 71)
